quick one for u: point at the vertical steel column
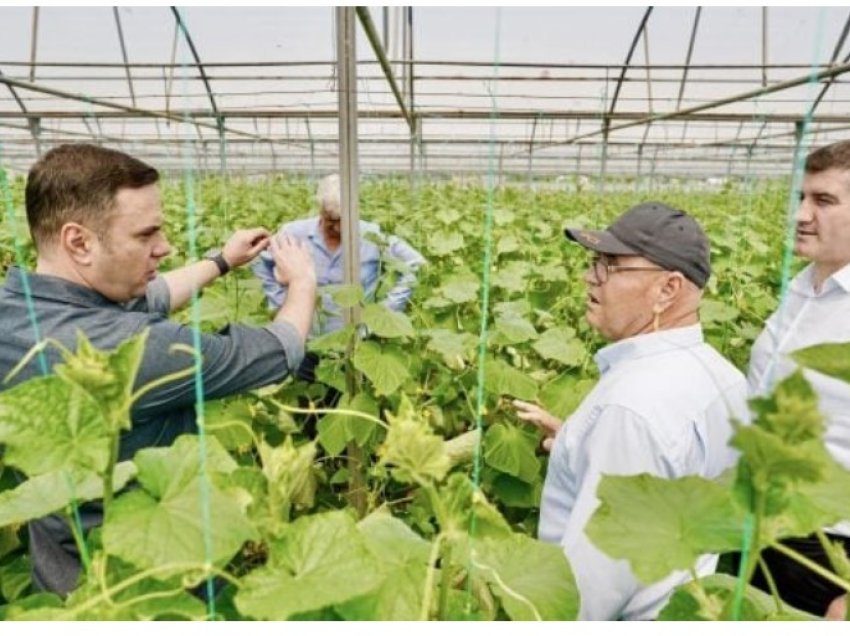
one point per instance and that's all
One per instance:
(33, 43)
(764, 46)
(346, 49)
(407, 38)
(348, 168)
(606, 125)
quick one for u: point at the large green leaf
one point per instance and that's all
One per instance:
(386, 323)
(47, 424)
(415, 452)
(809, 506)
(533, 580)
(403, 556)
(832, 359)
(512, 451)
(49, 492)
(661, 525)
(460, 288)
(231, 422)
(511, 277)
(512, 329)
(392, 541)
(162, 523)
(455, 347)
(345, 296)
(500, 378)
(335, 430)
(108, 376)
(715, 312)
(460, 501)
(385, 366)
(334, 341)
(289, 471)
(321, 561)
(562, 395)
(507, 244)
(443, 243)
(147, 599)
(15, 578)
(560, 344)
(713, 597)
(791, 412)
(516, 493)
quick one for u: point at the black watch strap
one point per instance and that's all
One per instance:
(218, 258)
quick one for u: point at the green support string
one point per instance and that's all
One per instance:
(191, 231)
(485, 286)
(785, 275)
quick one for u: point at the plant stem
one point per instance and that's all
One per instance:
(774, 591)
(76, 528)
(814, 567)
(108, 473)
(428, 594)
(445, 581)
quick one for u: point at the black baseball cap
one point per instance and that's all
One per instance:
(669, 238)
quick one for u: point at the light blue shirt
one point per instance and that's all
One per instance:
(329, 270)
(661, 406)
(810, 318)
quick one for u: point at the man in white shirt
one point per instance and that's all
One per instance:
(662, 404)
(816, 310)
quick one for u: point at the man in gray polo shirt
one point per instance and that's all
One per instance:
(96, 219)
(662, 404)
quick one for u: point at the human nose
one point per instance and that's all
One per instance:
(163, 248)
(804, 212)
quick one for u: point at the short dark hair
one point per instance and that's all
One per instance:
(835, 155)
(78, 182)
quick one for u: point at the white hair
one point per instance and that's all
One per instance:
(328, 192)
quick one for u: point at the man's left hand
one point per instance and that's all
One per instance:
(244, 246)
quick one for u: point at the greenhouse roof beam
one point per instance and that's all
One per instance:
(126, 111)
(625, 66)
(688, 57)
(33, 121)
(838, 46)
(182, 26)
(124, 54)
(632, 118)
(372, 35)
(471, 63)
(679, 115)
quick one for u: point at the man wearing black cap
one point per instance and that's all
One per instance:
(662, 405)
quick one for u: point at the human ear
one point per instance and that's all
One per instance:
(669, 291)
(77, 241)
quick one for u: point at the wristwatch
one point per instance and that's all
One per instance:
(217, 257)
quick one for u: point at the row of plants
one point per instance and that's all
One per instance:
(380, 513)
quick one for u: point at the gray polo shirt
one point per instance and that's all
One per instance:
(235, 359)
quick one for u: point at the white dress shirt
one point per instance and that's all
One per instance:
(809, 318)
(662, 407)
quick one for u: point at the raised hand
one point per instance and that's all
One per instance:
(293, 261)
(244, 245)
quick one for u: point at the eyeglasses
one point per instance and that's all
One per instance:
(602, 270)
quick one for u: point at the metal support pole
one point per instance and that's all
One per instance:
(348, 168)
(346, 49)
(33, 43)
(639, 161)
(531, 152)
(764, 46)
(606, 125)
